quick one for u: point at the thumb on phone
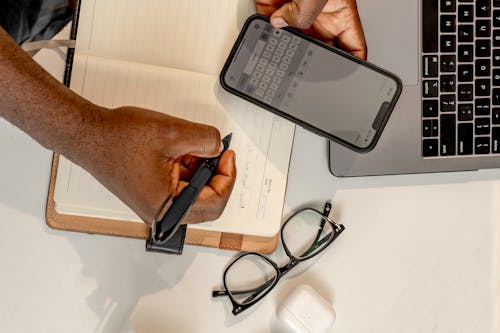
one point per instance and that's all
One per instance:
(298, 13)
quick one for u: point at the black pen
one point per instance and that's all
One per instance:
(183, 202)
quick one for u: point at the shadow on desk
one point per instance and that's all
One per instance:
(24, 170)
(122, 272)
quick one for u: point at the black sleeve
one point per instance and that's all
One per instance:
(29, 20)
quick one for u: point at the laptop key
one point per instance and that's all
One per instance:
(447, 103)
(465, 112)
(465, 33)
(483, 8)
(496, 38)
(448, 23)
(448, 63)
(483, 87)
(495, 140)
(430, 108)
(430, 147)
(482, 145)
(496, 77)
(483, 67)
(430, 128)
(430, 88)
(430, 64)
(496, 57)
(430, 16)
(434, 127)
(495, 98)
(465, 92)
(483, 48)
(447, 123)
(466, 53)
(495, 116)
(465, 134)
(465, 13)
(496, 18)
(482, 106)
(427, 128)
(448, 83)
(483, 28)
(448, 44)
(482, 126)
(465, 73)
(448, 6)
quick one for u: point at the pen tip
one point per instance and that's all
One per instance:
(226, 141)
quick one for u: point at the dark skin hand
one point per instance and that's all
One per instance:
(134, 139)
(335, 22)
(142, 156)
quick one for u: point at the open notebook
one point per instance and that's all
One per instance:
(166, 56)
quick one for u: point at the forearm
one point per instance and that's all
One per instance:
(135, 153)
(34, 101)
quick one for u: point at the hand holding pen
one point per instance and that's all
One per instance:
(205, 176)
(220, 185)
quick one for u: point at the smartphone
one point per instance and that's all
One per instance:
(318, 87)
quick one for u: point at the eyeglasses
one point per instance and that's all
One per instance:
(251, 276)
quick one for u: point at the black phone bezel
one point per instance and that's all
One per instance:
(300, 122)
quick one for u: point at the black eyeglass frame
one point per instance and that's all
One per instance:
(280, 271)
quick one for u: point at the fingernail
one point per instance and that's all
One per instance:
(221, 147)
(279, 22)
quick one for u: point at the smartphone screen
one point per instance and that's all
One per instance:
(323, 89)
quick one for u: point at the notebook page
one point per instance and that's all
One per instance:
(192, 35)
(261, 140)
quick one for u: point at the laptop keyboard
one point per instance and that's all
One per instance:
(460, 77)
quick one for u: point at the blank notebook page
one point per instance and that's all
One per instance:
(261, 140)
(193, 35)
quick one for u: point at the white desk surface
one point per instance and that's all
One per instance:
(386, 273)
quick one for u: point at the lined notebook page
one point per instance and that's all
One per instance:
(261, 140)
(185, 34)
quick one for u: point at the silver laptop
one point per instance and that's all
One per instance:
(447, 53)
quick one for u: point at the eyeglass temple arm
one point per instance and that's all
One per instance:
(219, 293)
(326, 212)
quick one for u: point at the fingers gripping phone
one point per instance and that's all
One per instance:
(320, 88)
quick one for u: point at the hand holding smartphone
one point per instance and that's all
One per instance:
(320, 88)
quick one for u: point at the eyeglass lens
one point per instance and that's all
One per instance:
(249, 277)
(304, 235)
